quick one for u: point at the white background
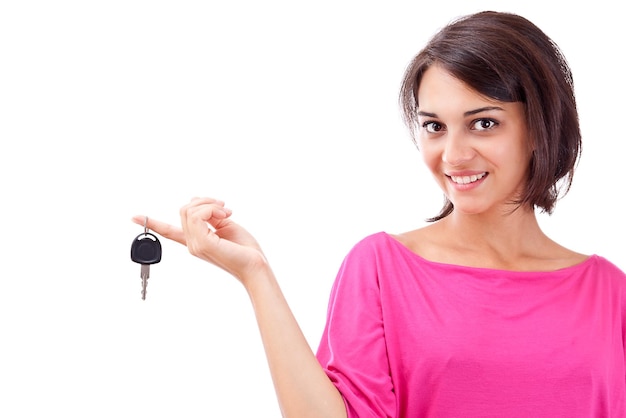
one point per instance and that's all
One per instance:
(287, 111)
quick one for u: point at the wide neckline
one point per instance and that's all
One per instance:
(589, 259)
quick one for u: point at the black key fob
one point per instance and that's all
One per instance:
(146, 249)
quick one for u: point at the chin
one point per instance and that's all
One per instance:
(469, 209)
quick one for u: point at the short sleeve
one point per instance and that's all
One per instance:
(352, 349)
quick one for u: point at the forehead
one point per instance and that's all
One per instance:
(439, 88)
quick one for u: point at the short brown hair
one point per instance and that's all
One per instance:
(506, 57)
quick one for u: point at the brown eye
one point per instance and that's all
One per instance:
(484, 124)
(432, 127)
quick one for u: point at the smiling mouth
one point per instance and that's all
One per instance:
(467, 179)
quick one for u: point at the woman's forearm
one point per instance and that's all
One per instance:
(302, 387)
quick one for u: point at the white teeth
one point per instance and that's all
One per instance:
(467, 179)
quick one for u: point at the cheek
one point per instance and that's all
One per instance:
(428, 158)
(432, 161)
(518, 156)
(431, 155)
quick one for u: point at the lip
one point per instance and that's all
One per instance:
(466, 180)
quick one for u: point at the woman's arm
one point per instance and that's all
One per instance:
(302, 387)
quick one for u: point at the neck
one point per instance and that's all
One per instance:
(496, 240)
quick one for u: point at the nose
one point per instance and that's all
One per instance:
(458, 149)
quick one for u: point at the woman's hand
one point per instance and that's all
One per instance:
(302, 386)
(210, 234)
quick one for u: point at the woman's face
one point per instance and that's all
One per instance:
(477, 148)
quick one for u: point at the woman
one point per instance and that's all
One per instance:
(479, 313)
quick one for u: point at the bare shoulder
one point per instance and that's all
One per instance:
(435, 243)
(426, 242)
(560, 257)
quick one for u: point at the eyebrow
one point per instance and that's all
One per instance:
(468, 113)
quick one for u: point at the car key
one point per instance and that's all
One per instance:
(145, 250)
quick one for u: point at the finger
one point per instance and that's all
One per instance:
(206, 201)
(216, 216)
(211, 210)
(164, 229)
(197, 222)
(195, 202)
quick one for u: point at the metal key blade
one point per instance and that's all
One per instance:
(145, 275)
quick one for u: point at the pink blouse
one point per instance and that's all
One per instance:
(408, 338)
